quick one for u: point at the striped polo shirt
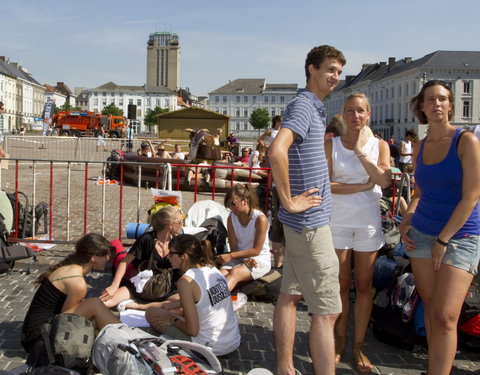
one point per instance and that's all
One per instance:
(305, 115)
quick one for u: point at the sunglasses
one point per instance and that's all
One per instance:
(435, 82)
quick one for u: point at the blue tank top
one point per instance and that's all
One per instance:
(441, 185)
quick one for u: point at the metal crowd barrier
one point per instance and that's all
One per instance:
(81, 199)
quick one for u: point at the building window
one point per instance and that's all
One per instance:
(104, 93)
(273, 99)
(157, 102)
(104, 101)
(265, 99)
(237, 99)
(224, 99)
(254, 98)
(282, 99)
(95, 101)
(467, 87)
(466, 108)
(245, 113)
(224, 112)
(217, 99)
(245, 99)
(245, 126)
(237, 126)
(273, 113)
(139, 102)
(238, 113)
(120, 102)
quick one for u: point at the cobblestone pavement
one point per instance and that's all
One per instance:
(255, 317)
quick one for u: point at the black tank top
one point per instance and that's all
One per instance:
(46, 303)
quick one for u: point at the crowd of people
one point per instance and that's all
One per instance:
(325, 236)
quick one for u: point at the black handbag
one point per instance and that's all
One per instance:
(159, 285)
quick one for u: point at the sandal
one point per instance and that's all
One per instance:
(340, 344)
(122, 306)
(360, 360)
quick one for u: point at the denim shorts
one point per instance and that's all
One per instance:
(463, 253)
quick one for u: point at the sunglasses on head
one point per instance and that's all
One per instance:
(435, 82)
(231, 204)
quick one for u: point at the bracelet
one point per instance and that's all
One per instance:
(361, 155)
(443, 243)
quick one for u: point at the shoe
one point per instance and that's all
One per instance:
(340, 344)
(123, 304)
(360, 361)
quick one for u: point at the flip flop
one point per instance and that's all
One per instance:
(123, 304)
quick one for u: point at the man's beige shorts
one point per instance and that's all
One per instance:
(311, 269)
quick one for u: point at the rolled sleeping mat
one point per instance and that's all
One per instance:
(135, 230)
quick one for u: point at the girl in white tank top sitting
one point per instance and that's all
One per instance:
(247, 227)
(208, 316)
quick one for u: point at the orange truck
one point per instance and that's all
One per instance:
(84, 124)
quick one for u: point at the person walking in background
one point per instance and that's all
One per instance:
(207, 311)
(406, 150)
(101, 137)
(359, 165)
(441, 228)
(300, 171)
(249, 256)
(129, 135)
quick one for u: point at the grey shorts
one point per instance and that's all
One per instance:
(463, 253)
(311, 269)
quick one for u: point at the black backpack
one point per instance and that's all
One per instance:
(113, 169)
(25, 215)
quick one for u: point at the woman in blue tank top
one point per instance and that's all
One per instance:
(441, 227)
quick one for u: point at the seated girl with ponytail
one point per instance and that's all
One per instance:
(208, 316)
(63, 289)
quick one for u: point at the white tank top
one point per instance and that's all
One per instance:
(273, 134)
(407, 149)
(357, 210)
(217, 320)
(246, 236)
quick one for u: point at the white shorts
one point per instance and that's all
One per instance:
(358, 239)
(100, 141)
(257, 272)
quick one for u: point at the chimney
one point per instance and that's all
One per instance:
(365, 66)
(391, 62)
(382, 63)
(349, 79)
(408, 60)
(14, 64)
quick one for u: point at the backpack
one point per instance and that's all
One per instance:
(216, 233)
(390, 225)
(113, 169)
(25, 215)
(120, 349)
(68, 342)
(469, 320)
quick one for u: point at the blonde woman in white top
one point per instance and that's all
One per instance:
(359, 164)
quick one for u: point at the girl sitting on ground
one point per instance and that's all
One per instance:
(247, 227)
(166, 223)
(63, 289)
(208, 316)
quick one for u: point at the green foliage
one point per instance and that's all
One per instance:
(65, 107)
(150, 118)
(112, 109)
(260, 119)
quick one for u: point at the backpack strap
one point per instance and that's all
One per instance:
(45, 329)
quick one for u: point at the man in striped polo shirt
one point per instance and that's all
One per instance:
(300, 173)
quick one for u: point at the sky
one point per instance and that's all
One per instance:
(88, 43)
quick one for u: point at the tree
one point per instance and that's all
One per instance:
(150, 118)
(259, 119)
(112, 109)
(66, 107)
